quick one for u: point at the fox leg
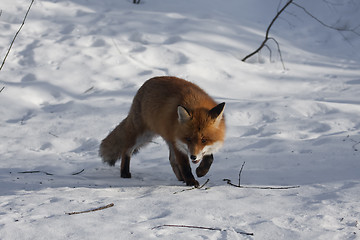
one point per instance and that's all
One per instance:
(205, 165)
(185, 169)
(134, 144)
(174, 164)
(125, 166)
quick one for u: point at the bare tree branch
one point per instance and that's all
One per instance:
(279, 51)
(199, 227)
(340, 29)
(12, 42)
(267, 32)
(263, 44)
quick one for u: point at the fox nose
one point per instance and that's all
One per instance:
(193, 157)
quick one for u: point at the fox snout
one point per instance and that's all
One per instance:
(193, 157)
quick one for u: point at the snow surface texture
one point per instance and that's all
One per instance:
(75, 67)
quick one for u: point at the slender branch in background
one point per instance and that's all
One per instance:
(279, 51)
(267, 32)
(340, 29)
(263, 44)
(2, 89)
(12, 42)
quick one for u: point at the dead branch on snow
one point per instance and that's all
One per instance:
(228, 181)
(92, 210)
(188, 189)
(199, 227)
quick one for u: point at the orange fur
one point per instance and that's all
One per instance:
(187, 118)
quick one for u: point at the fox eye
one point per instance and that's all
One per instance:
(203, 140)
(188, 139)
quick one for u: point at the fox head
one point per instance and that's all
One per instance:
(201, 131)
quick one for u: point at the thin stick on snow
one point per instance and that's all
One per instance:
(2, 89)
(188, 189)
(92, 210)
(78, 172)
(199, 227)
(228, 181)
(50, 174)
(242, 166)
(12, 42)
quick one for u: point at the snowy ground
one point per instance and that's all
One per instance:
(75, 67)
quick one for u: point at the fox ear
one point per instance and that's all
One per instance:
(216, 112)
(183, 114)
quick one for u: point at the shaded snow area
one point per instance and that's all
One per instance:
(72, 73)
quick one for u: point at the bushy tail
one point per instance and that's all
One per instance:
(112, 146)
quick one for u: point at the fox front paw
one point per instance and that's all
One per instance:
(205, 165)
(192, 182)
(125, 175)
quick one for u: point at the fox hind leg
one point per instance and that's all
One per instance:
(139, 142)
(125, 166)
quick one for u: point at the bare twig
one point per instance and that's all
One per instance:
(279, 51)
(340, 29)
(188, 189)
(88, 90)
(78, 172)
(2, 89)
(354, 141)
(267, 32)
(263, 44)
(92, 210)
(270, 52)
(228, 181)
(199, 227)
(54, 135)
(50, 174)
(242, 166)
(7, 53)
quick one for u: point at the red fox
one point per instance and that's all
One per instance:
(187, 118)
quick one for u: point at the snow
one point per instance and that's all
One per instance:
(75, 67)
